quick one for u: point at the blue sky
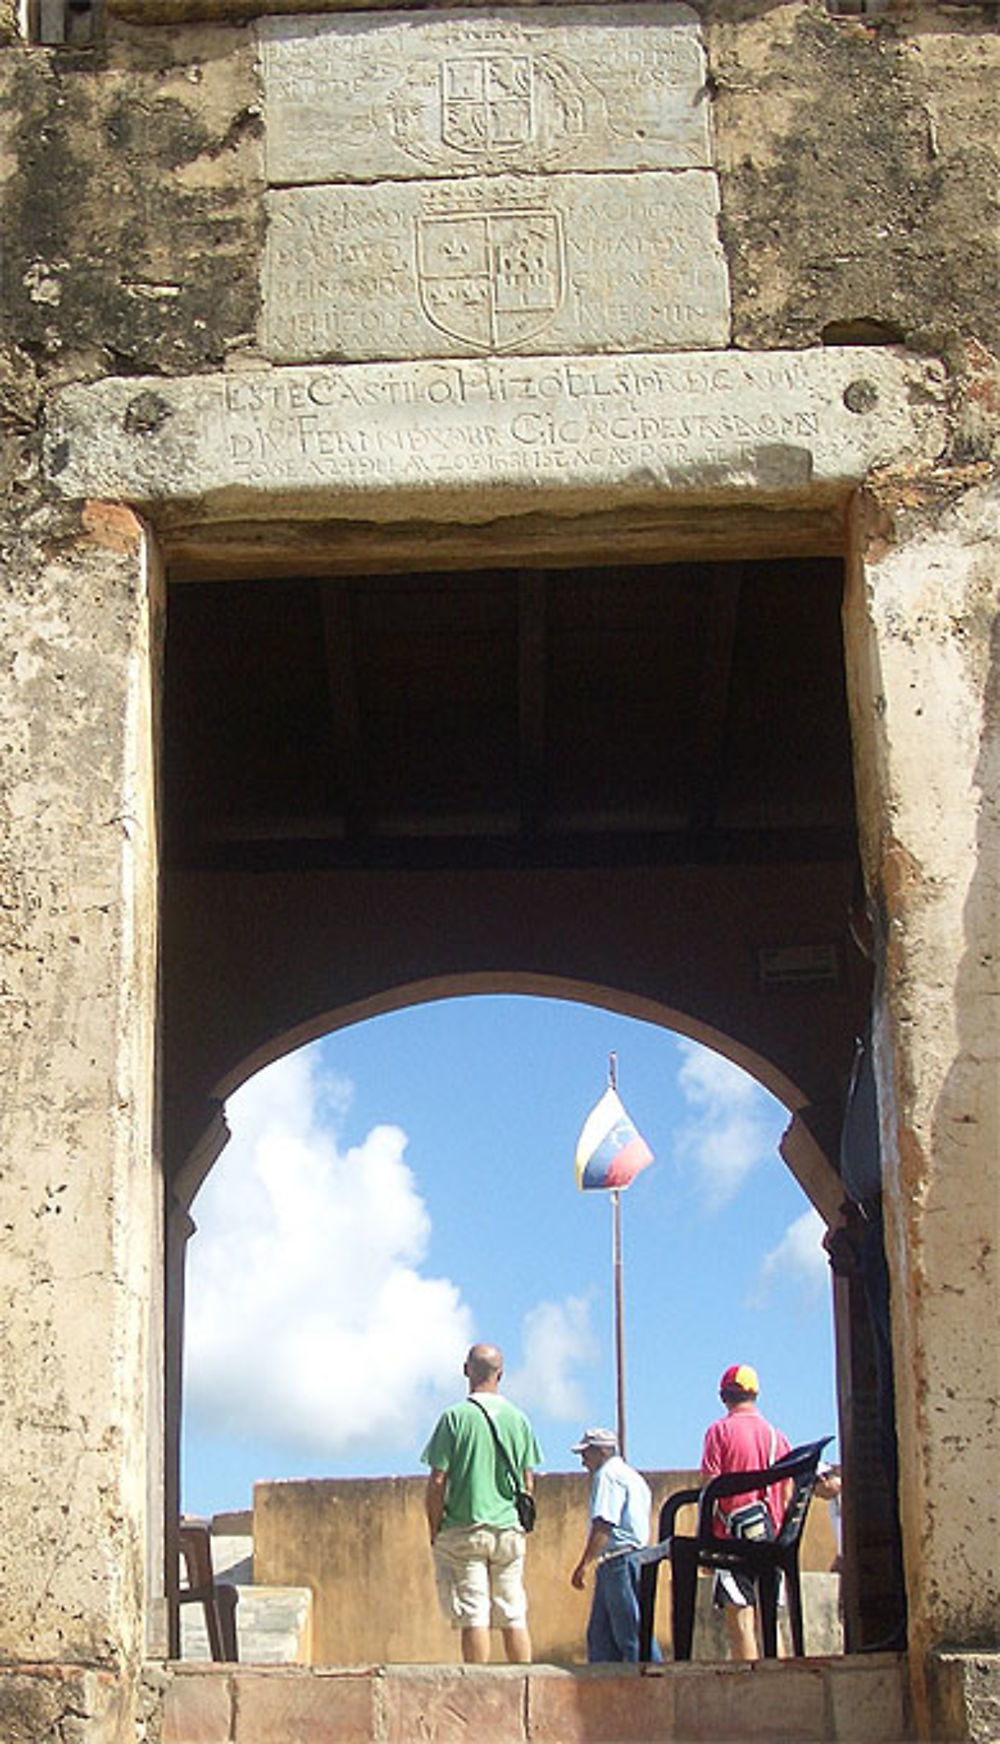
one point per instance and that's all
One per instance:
(406, 1185)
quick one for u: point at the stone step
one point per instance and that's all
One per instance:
(272, 1627)
(272, 1623)
(858, 1700)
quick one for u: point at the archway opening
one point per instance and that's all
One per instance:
(405, 1185)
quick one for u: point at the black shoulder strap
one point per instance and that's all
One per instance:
(502, 1451)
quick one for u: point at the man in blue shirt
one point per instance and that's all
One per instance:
(619, 1526)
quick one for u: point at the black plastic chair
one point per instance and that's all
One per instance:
(764, 1560)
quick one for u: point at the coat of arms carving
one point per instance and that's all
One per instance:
(487, 101)
(497, 106)
(492, 279)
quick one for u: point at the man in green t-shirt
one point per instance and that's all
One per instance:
(477, 1543)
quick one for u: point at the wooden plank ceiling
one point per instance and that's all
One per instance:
(655, 713)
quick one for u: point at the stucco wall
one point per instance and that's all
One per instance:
(360, 1544)
(923, 612)
(79, 1249)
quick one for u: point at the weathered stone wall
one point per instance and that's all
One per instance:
(132, 211)
(116, 182)
(923, 614)
(857, 168)
(855, 174)
(79, 1254)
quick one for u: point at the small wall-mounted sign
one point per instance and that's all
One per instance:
(799, 965)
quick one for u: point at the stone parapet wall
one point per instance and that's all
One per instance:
(360, 1544)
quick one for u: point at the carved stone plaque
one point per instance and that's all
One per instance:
(493, 265)
(473, 439)
(397, 95)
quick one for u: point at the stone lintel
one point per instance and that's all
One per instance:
(468, 441)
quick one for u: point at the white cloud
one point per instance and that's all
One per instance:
(799, 1263)
(733, 1122)
(309, 1320)
(556, 1339)
(709, 1080)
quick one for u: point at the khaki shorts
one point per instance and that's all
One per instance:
(480, 1576)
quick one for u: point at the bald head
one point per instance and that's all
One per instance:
(483, 1367)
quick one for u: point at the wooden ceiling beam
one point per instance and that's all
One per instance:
(328, 851)
(255, 550)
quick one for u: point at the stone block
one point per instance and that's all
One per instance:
(964, 1690)
(474, 439)
(767, 1701)
(529, 264)
(453, 1704)
(600, 1705)
(197, 1708)
(867, 1698)
(822, 1622)
(410, 94)
(70, 1703)
(330, 1707)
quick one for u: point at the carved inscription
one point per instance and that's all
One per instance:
(464, 418)
(497, 264)
(386, 438)
(361, 98)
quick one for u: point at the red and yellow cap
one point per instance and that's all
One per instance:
(740, 1378)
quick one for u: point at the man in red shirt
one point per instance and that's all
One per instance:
(743, 1440)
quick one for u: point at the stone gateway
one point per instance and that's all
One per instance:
(488, 334)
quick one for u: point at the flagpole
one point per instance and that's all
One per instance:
(616, 1214)
(619, 1288)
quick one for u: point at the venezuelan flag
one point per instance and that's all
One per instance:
(610, 1152)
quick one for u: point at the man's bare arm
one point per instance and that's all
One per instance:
(597, 1538)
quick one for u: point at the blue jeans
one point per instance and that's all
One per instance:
(613, 1629)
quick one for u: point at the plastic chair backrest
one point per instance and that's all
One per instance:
(799, 1466)
(804, 1482)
